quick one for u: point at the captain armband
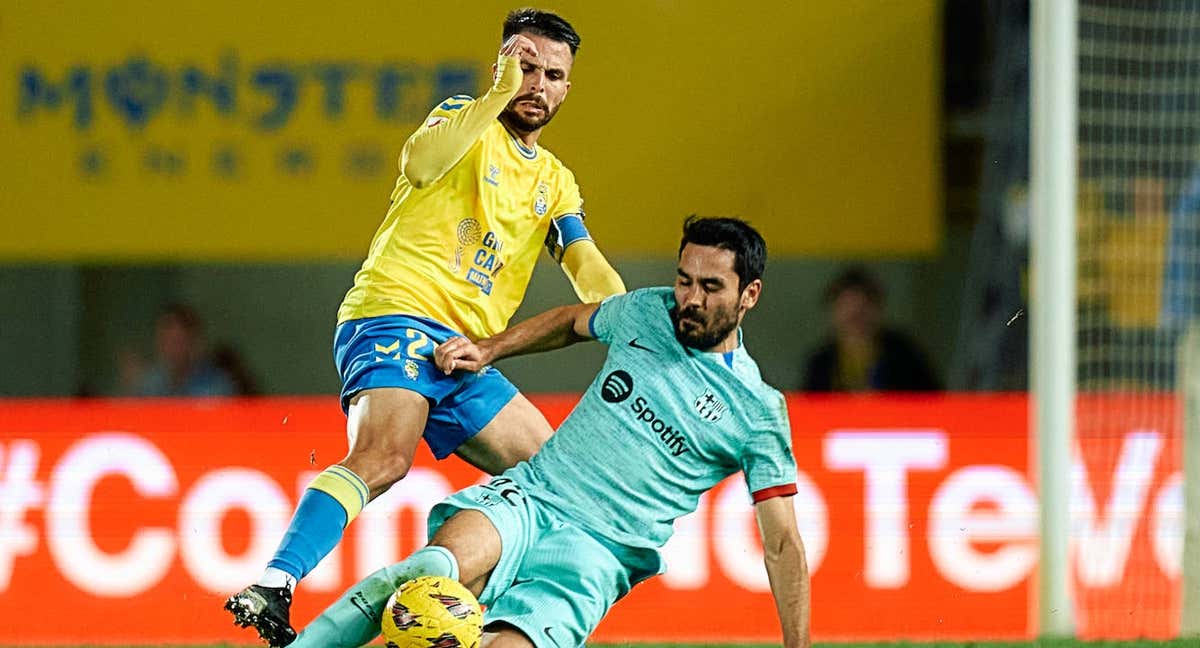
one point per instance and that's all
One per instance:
(564, 231)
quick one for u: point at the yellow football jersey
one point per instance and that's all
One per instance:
(461, 250)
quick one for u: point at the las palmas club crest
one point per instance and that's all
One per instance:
(709, 407)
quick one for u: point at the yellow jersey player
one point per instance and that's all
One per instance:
(475, 201)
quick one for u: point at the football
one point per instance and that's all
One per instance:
(432, 612)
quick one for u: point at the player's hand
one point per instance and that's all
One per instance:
(460, 354)
(520, 47)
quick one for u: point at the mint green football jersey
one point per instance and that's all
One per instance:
(660, 425)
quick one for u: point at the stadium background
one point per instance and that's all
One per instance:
(818, 123)
(238, 157)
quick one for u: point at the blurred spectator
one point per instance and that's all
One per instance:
(182, 365)
(228, 359)
(862, 354)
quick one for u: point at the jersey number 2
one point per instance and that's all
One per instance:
(416, 348)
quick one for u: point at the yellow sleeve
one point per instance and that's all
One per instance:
(590, 273)
(454, 127)
(567, 197)
(592, 277)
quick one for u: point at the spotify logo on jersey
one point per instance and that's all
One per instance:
(617, 387)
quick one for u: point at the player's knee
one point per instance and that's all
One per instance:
(395, 469)
(378, 469)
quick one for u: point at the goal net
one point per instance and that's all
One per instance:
(1138, 294)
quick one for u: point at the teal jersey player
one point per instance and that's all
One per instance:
(669, 421)
(552, 543)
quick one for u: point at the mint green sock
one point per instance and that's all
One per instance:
(353, 619)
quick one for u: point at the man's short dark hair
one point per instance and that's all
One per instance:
(542, 23)
(855, 277)
(733, 234)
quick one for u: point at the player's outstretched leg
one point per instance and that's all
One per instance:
(332, 499)
(354, 619)
(466, 547)
(384, 426)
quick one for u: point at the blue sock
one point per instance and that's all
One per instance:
(316, 528)
(332, 500)
(353, 619)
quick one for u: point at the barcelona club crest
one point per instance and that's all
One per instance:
(709, 407)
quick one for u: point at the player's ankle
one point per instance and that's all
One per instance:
(275, 577)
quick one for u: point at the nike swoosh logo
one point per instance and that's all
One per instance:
(549, 636)
(364, 606)
(634, 343)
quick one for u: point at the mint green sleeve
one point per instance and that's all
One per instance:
(767, 460)
(609, 316)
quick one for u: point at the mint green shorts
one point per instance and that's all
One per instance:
(554, 581)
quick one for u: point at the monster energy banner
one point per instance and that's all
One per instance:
(256, 98)
(232, 131)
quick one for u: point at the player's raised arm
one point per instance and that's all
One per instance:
(443, 140)
(553, 329)
(591, 275)
(787, 569)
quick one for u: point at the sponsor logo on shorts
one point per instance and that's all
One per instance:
(498, 490)
(487, 499)
(387, 351)
(617, 386)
